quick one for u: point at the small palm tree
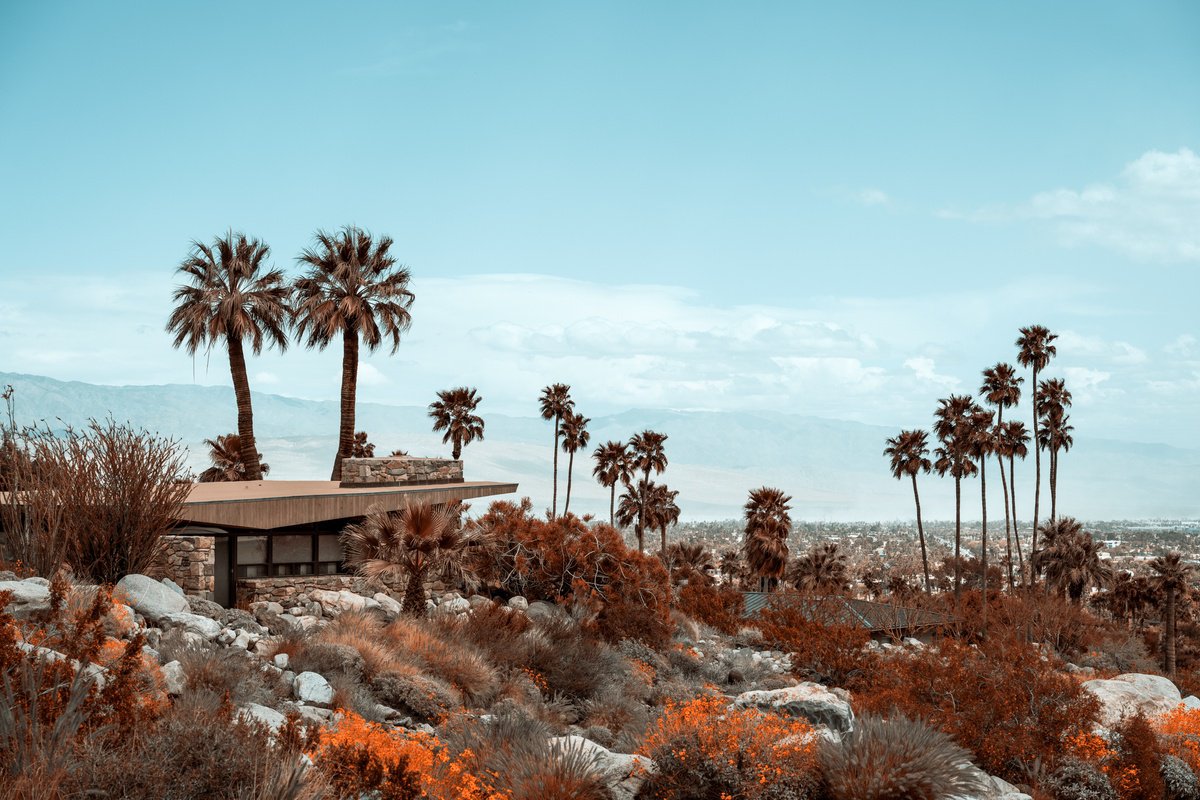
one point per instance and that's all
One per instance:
(1035, 348)
(354, 289)
(232, 297)
(1012, 441)
(1071, 559)
(415, 544)
(662, 512)
(632, 509)
(225, 453)
(822, 569)
(555, 404)
(575, 438)
(647, 454)
(454, 413)
(362, 447)
(909, 454)
(768, 525)
(952, 427)
(691, 562)
(1171, 577)
(612, 467)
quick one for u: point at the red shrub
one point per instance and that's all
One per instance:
(718, 606)
(835, 655)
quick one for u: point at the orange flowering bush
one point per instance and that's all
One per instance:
(1179, 731)
(718, 606)
(702, 749)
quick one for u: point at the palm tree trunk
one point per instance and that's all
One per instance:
(1007, 524)
(554, 504)
(245, 412)
(570, 469)
(664, 543)
(921, 535)
(1170, 624)
(642, 511)
(349, 392)
(1012, 488)
(456, 453)
(957, 543)
(983, 535)
(612, 506)
(1037, 486)
(414, 594)
(1053, 485)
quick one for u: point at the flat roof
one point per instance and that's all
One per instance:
(268, 504)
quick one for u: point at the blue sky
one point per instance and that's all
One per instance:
(843, 210)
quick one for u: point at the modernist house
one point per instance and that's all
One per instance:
(269, 540)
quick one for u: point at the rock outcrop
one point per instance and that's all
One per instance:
(1128, 694)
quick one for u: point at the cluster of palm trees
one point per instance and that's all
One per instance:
(351, 289)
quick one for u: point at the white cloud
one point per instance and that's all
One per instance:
(369, 375)
(925, 369)
(1072, 344)
(873, 197)
(1184, 345)
(265, 378)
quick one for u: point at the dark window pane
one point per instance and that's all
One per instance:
(292, 548)
(329, 549)
(252, 549)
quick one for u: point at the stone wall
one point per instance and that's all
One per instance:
(192, 563)
(400, 471)
(283, 589)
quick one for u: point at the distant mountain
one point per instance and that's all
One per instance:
(834, 469)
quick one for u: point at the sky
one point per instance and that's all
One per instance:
(838, 210)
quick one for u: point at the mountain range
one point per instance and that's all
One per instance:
(834, 469)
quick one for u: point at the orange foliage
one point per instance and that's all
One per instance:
(718, 606)
(1180, 732)
(835, 655)
(702, 748)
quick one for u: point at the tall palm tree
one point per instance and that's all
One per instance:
(647, 453)
(1071, 559)
(232, 297)
(556, 403)
(1002, 388)
(454, 413)
(953, 428)
(1035, 348)
(575, 438)
(355, 289)
(632, 508)
(768, 525)
(983, 444)
(1171, 576)
(612, 467)
(662, 512)
(909, 453)
(1012, 443)
(415, 544)
(225, 453)
(822, 569)
(1052, 401)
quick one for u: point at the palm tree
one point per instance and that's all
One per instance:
(415, 543)
(1002, 388)
(555, 404)
(575, 438)
(362, 447)
(952, 427)
(909, 453)
(662, 512)
(1012, 441)
(691, 562)
(225, 453)
(1035, 348)
(1171, 577)
(982, 445)
(632, 508)
(612, 467)
(355, 289)
(732, 566)
(647, 453)
(768, 525)
(454, 413)
(1052, 401)
(1071, 559)
(232, 297)
(822, 569)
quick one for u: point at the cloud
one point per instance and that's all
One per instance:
(873, 197)
(268, 378)
(1094, 347)
(369, 375)
(924, 369)
(1148, 211)
(1184, 345)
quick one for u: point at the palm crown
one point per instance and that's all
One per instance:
(556, 401)
(1001, 385)
(1035, 348)
(909, 453)
(225, 454)
(648, 451)
(575, 432)
(454, 413)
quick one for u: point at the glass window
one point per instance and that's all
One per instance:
(252, 570)
(292, 549)
(252, 549)
(330, 548)
(329, 567)
(305, 568)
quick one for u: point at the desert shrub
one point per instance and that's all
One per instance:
(1000, 700)
(362, 633)
(452, 659)
(423, 697)
(702, 749)
(832, 654)
(228, 671)
(1118, 652)
(883, 759)
(718, 606)
(1135, 770)
(1075, 779)
(327, 659)
(1179, 780)
(1179, 731)
(98, 499)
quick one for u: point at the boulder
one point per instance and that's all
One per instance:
(518, 602)
(540, 609)
(172, 585)
(809, 701)
(174, 678)
(456, 605)
(206, 608)
(258, 713)
(312, 688)
(191, 623)
(623, 773)
(27, 597)
(281, 660)
(1191, 702)
(389, 604)
(149, 597)
(1128, 694)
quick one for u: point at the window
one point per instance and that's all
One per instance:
(251, 556)
(329, 554)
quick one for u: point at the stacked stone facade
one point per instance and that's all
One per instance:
(400, 471)
(191, 562)
(283, 590)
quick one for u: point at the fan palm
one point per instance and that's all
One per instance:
(232, 297)
(362, 447)
(555, 404)
(1171, 577)
(632, 508)
(454, 413)
(354, 289)
(414, 544)
(768, 525)
(691, 562)
(822, 569)
(909, 453)
(1035, 348)
(646, 454)
(661, 513)
(952, 427)
(1002, 388)
(1071, 559)
(225, 453)
(1053, 399)
(982, 445)
(1012, 443)
(575, 438)
(612, 467)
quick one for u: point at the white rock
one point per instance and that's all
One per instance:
(38, 580)
(191, 623)
(28, 596)
(149, 597)
(172, 585)
(389, 604)
(242, 640)
(269, 716)
(281, 660)
(1191, 702)
(518, 602)
(174, 678)
(457, 605)
(311, 687)
(623, 773)
(810, 701)
(1128, 694)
